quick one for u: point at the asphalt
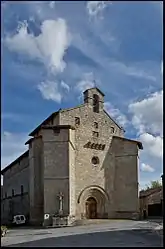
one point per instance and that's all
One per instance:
(117, 233)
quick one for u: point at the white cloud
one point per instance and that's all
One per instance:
(148, 121)
(48, 47)
(86, 83)
(142, 70)
(148, 114)
(96, 7)
(50, 91)
(116, 114)
(133, 71)
(83, 85)
(12, 146)
(52, 4)
(146, 168)
(65, 86)
(153, 145)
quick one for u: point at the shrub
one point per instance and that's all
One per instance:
(3, 230)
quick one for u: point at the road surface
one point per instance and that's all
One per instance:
(108, 233)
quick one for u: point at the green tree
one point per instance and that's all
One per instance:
(153, 184)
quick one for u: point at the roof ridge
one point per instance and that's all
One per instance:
(15, 161)
(131, 140)
(112, 118)
(51, 116)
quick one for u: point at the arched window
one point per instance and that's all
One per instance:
(95, 160)
(95, 103)
(93, 146)
(100, 146)
(95, 125)
(77, 121)
(97, 146)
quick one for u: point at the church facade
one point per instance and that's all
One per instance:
(79, 164)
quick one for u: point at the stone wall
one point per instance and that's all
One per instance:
(13, 178)
(56, 169)
(60, 160)
(87, 174)
(36, 181)
(126, 177)
(18, 204)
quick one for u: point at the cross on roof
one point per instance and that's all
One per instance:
(94, 81)
(60, 194)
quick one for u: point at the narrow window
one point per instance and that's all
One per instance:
(95, 134)
(12, 192)
(100, 146)
(88, 144)
(56, 131)
(77, 121)
(21, 189)
(97, 146)
(95, 160)
(103, 147)
(112, 130)
(95, 103)
(5, 195)
(93, 146)
(96, 125)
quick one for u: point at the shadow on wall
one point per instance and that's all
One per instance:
(15, 205)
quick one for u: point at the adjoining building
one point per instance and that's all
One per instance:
(151, 202)
(79, 165)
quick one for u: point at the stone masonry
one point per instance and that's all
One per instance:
(81, 152)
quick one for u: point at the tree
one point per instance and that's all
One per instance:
(153, 184)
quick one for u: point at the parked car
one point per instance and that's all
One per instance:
(19, 219)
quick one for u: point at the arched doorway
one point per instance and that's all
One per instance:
(91, 208)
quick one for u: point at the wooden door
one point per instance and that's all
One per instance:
(91, 208)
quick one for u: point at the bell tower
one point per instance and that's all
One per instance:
(95, 98)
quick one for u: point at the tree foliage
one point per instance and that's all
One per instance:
(153, 184)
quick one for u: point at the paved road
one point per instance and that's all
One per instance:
(107, 234)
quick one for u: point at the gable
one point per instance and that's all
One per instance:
(106, 113)
(45, 122)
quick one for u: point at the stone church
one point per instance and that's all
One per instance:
(78, 165)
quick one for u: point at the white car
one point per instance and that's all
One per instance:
(19, 219)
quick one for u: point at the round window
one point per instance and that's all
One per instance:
(95, 160)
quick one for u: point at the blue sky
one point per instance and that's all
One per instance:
(52, 51)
